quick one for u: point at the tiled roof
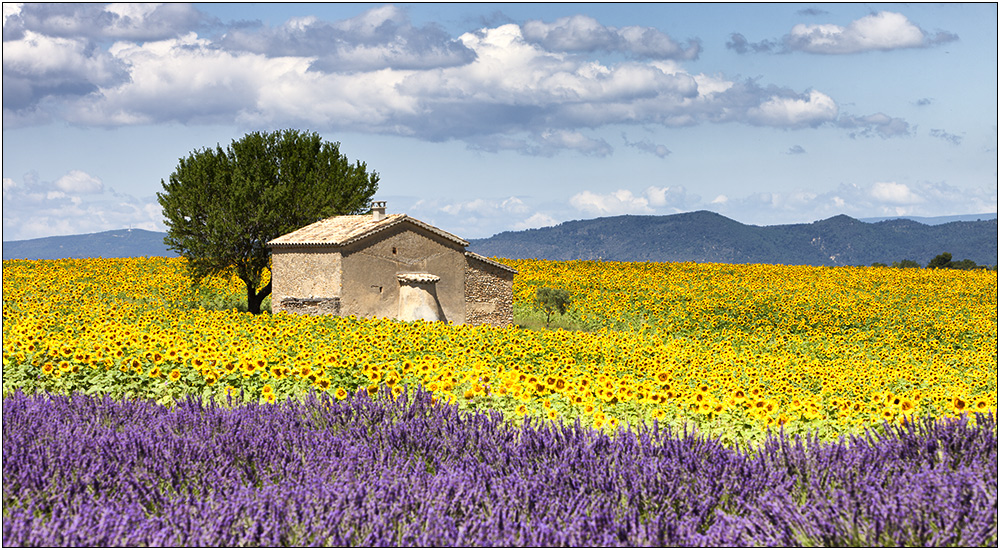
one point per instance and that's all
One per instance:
(484, 259)
(344, 230)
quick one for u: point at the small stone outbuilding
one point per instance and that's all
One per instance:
(394, 266)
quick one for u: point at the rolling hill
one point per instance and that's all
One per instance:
(690, 237)
(709, 237)
(121, 243)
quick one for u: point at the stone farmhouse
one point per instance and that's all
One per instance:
(394, 266)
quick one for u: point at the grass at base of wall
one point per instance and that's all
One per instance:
(217, 301)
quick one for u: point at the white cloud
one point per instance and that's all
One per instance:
(879, 31)
(795, 112)
(580, 33)
(77, 181)
(74, 204)
(611, 204)
(486, 207)
(894, 193)
(508, 87)
(96, 22)
(675, 197)
(535, 221)
(10, 9)
(36, 66)
(380, 38)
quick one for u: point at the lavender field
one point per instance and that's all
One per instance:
(85, 471)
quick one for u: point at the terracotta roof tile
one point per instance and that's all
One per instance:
(343, 230)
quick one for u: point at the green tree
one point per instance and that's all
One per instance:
(905, 264)
(942, 260)
(223, 206)
(551, 300)
(965, 264)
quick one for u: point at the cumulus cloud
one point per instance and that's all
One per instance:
(580, 33)
(380, 38)
(528, 88)
(104, 21)
(78, 181)
(611, 204)
(535, 221)
(37, 66)
(652, 200)
(891, 192)
(486, 207)
(58, 51)
(75, 203)
(673, 197)
(882, 31)
(795, 112)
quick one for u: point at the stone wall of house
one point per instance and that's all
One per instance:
(489, 294)
(309, 306)
(372, 266)
(303, 273)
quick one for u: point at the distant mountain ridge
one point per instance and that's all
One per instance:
(709, 237)
(120, 243)
(690, 237)
(936, 220)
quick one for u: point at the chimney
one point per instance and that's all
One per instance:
(378, 210)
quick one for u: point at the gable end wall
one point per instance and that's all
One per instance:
(489, 294)
(370, 287)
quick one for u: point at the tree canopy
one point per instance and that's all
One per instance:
(222, 206)
(551, 300)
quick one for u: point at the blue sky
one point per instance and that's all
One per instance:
(482, 118)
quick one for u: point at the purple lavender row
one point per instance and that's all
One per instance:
(85, 471)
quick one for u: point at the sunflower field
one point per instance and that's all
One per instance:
(726, 354)
(728, 349)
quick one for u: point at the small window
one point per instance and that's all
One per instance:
(394, 250)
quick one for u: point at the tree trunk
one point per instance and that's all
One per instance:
(255, 298)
